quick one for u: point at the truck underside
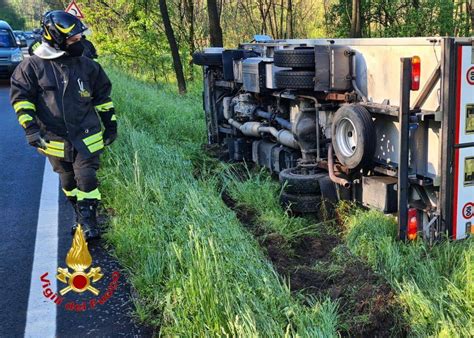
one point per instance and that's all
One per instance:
(340, 119)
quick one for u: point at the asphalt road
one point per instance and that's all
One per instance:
(35, 220)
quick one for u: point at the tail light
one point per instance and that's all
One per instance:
(412, 224)
(415, 72)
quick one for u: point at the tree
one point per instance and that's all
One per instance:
(471, 12)
(189, 13)
(8, 14)
(289, 20)
(215, 30)
(356, 29)
(178, 67)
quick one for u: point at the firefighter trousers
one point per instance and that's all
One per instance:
(79, 176)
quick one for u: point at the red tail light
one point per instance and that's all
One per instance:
(415, 72)
(412, 224)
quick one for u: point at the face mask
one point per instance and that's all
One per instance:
(75, 49)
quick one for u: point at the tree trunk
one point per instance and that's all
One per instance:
(281, 36)
(289, 18)
(215, 29)
(471, 11)
(189, 9)
(355, 22)
(178, 67)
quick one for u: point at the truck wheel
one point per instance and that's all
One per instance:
(353, 136)
(294, 58)
(207, 59)
(298, 180)
(294, 79)
(301, 204)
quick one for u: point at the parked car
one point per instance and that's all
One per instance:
(10, 52)
(29, 36)
(20, 37)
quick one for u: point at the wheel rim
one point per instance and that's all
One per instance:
(346, 137)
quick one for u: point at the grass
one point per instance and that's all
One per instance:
(434, 284)
(262, 190)
(196, 272)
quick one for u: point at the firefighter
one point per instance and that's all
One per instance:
(59, 96)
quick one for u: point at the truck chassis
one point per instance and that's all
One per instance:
(347, 119)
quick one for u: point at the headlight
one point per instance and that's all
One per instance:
(17, 57)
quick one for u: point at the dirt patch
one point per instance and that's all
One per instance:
(323, 266)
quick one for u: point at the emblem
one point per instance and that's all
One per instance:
(79, 260)
(83, 92)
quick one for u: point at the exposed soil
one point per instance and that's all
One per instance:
(323, 266)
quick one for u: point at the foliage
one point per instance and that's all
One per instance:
(31, 11)
(398, 18)
(8, 14)
(131, 33)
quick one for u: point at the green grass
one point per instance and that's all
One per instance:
(195, 270)
(434, 284)
(260, 193)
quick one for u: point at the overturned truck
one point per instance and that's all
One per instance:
(385, 122)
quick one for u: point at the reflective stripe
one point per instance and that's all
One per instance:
(54, 148)
(24, 118)
(52, 151)
(23, 105)
(71, 193)
(113, 118)
(94, 194)
(46, 34)
(93, 138)
(65, 30)
(56, 145)
(35, 46)
(104, 107)
(96, 146)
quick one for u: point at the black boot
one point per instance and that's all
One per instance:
(73, 201)
(87, 210)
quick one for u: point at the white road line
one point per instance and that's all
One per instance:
(41, 314)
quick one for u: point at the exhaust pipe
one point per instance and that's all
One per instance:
(338, 180)
(254, 129)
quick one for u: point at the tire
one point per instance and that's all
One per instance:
(294, 58)
(294, 79)
(298, 181)
(353, 136)
(207, 59)
(302, 204)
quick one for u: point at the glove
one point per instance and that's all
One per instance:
(110, 125)
(35, 140)
(33, 136)
(110, 134)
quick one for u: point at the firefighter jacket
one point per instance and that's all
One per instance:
(65, 97)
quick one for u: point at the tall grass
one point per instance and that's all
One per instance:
(195, 270)
(435, 284)
(260, 193)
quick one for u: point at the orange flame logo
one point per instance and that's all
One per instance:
(79, 260)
